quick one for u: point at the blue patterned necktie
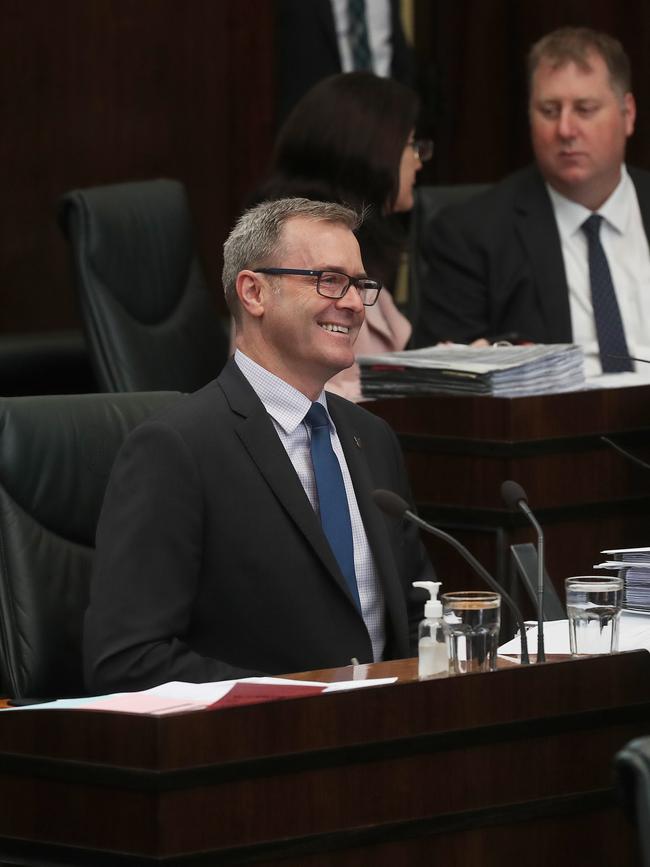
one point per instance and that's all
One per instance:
(333, 502)
(358, 29)
(609, 325)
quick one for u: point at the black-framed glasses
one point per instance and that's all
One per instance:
(422, 148)
(332, 284)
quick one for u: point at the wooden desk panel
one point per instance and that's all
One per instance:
(381, 773)
(520, 419)
(460, 449)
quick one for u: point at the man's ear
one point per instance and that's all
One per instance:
(250, 291)
(629, 110)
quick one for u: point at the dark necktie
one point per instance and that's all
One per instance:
(333, 502)
(358, 29)
(609, 325)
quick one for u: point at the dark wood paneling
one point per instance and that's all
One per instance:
(334, 779)
(99, 91)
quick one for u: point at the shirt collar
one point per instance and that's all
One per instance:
(616, 211)
(285, 404)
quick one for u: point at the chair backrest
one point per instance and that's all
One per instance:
(524, 559)
(56, 453)
(52, 362)
(632, 770)
(150, 320)
(429, 201)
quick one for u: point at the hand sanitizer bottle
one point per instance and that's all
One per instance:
(432, 648)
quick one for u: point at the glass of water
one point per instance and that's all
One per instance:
(471, 621)
(593, 605)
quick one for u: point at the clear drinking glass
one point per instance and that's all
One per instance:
(593, 605)
(471, 622)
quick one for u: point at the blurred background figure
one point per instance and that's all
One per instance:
(557, 252)
(319, 38)
(351, 140)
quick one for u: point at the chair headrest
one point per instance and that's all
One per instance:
(57, 453)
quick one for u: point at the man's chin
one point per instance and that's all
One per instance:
(342, 362)
(569, 180)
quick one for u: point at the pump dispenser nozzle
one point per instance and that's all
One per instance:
(433, 606)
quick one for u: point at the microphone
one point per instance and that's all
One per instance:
(515, 498)
(625, 453)
(392, 504)
(607, 440)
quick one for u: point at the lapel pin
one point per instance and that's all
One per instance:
(357, 441)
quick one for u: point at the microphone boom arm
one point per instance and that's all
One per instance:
(525, 508)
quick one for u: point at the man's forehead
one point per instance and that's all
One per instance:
(303, 232)
(587, 67)
(301, 225)
(584, 80)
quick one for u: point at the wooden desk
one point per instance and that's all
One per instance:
(455, 770)
(587, 497)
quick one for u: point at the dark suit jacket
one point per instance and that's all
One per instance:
(494, 265)
(211, 562)
(307, 50)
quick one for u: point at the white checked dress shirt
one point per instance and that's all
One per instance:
(287, 407)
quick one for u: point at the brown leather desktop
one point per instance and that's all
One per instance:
(463, 770)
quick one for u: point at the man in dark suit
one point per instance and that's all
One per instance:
(307, 46)
(514, 261)
(211, 561)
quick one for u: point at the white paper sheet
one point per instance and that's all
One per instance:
(634, 634)
(177, 696)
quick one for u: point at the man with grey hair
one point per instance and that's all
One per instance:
(238, 533)
(558, 252)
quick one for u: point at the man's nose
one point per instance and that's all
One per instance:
(566, 126)
(351, 300)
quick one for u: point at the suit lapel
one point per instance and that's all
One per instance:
(641, 182)
(536, 226)
(322, 10)
(257, 433)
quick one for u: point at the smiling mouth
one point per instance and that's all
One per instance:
(330, 326)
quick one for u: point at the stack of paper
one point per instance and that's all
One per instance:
(182, 697)
(505, 371)
(633, 565)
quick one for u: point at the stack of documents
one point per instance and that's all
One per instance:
(633, 565)
(180, 697)
(504, 371)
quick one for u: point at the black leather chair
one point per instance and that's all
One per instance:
(56, 453)
(53, 362)
(429, 201)
(150, 320)
(524, 566)
(632, 768)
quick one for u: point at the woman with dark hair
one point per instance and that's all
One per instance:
(350, 139)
